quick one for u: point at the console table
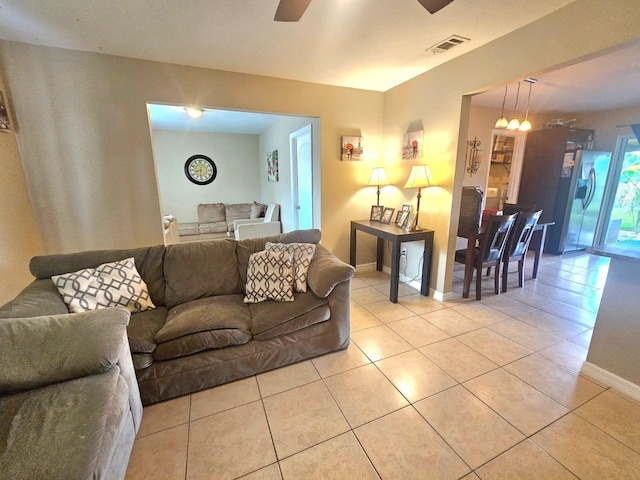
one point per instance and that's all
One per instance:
(396, 236)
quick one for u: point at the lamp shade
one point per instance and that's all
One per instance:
(378, 177)
(419, 177)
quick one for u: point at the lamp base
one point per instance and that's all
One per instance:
(417, 228)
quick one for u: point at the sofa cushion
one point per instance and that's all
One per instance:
(39, 351)
(257, 210)
(302, 253)
(269, 277)
(326, 271)
(245, 248)
(236, 211)
(218, 227)
(188, 229)
(270, 319)
(211, 212)
(143, 328)
(141, 360)
(148, 260)
(201, 269)
(40, 297)
(204, 324)
(108, 285)
(64, 430)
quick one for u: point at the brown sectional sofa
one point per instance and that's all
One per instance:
(216, 219)
(201, 333)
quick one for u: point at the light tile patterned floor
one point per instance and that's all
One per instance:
(459, 389)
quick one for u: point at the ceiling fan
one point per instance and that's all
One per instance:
(292, 10)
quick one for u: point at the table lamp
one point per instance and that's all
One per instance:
(418, 178)
(378, 178)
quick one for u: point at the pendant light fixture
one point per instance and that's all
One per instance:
(502, 121)
(526, 125)
(515, 123)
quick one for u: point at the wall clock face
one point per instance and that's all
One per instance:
(200, 169)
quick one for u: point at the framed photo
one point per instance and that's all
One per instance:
(351, 149)
(406, 207)
(273, 173)
(401, 218)
(376, 213)
(412, 145)
(386, 215)
(409, 223)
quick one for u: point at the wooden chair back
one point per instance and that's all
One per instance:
(494, 240)
(511, 208)
(521, 234)
(470, 210)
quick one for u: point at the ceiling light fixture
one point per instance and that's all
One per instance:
(515, 123)
(526, 125)
(194, 112)
(502, 121)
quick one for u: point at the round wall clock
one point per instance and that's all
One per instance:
(200, 169)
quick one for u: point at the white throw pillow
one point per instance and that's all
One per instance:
(269, 277)
(302, 256)
(108, 285)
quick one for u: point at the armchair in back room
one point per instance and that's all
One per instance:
(259, 227)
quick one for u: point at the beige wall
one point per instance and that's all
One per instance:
(236, 159)
(86, 147)
(19, 235)
(435, 99)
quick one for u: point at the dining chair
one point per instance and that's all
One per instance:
(470, 210)
(488, 253)
(518, 245)
(511, 208)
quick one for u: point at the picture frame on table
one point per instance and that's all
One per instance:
(411, 219)
(376, 213)
(406, 207)
(401, 218)
(387, 215)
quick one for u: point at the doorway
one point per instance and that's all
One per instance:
(622, 194)
(302, 178)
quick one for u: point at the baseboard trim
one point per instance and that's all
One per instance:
(611, 380)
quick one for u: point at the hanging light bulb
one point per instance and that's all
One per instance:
(515, 123)
(502, 121)
(526, 125)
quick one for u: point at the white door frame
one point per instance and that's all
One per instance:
(295, 203)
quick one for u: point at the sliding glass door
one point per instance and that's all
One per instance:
(622, 194)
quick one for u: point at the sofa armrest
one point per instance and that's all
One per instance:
(39, 351)
(255, 230)
(326, 271)
(246, 221)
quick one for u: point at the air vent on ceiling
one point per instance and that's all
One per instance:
(447, 44)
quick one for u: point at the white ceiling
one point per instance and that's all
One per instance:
(171, 117)
(365, 44)
(353, 43)
(603, 83)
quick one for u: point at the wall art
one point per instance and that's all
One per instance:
(412, 145)
(273, 174)
(351, 149)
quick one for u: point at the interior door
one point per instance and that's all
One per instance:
(302, 178)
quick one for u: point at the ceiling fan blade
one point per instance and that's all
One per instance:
(291, 10)
(434, 5)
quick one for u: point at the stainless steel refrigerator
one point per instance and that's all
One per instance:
(565, 180)
(585, 206)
